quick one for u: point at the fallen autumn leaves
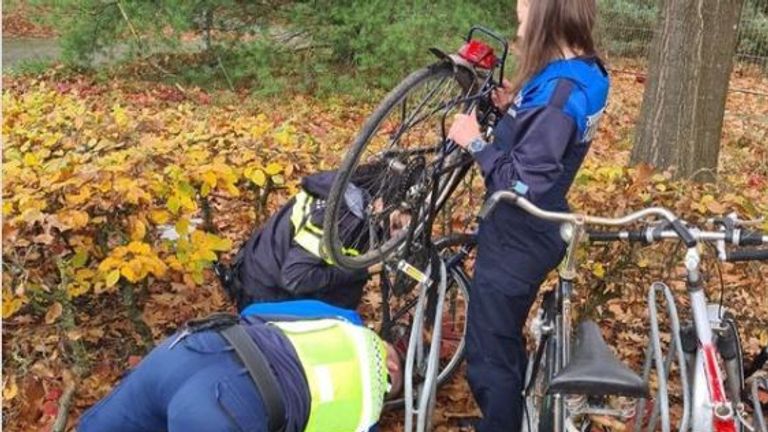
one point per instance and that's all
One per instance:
(94, 174)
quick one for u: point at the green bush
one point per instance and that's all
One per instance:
(753, 41)
(317, 45)
(625, 27)
(339, 46)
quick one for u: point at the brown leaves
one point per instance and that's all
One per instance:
(53, 313)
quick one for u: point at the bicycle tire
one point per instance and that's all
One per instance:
(331, 240)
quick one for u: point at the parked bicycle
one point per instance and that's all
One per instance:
(565, 386)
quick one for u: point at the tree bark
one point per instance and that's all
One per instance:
(691, 60)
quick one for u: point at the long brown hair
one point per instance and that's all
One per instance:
(552, 24)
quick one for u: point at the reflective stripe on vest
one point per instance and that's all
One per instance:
(345, 366)
(305, 233)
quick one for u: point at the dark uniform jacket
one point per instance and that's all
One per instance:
(271, 266)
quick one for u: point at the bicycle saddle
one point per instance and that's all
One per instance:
(594, 371)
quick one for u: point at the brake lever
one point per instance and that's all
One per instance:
(732, 221)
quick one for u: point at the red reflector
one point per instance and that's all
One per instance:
(479, 54)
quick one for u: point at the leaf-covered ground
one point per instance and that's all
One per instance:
(95, 174)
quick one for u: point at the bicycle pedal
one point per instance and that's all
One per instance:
(413, 272)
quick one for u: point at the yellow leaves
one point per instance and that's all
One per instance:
(132, 271)
(120, 116)
(134, 262)
(708, 204)
(12, 303)
(159, 217)
(273, 168)
(139, 248)
(112, 277)
(598, 270)
(73, 219)
(182, 198)
(256, 176)
(82, 283)
(197, 251)
(286, 137)
(130, 190)
(260, 126)
(137, 229)
(7, 208)
(182, 226)
(79, 198)
(218, 175)
(31, 160)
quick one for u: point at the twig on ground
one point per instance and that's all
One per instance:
(65, 402)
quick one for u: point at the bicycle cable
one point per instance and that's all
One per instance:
(722, 281)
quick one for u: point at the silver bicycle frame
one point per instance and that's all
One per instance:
(710, 409)
(420, 400)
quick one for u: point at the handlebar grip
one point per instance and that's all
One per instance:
(683, 233)
(751, 238)
(608, 236)
(604, 236)
(747, 255)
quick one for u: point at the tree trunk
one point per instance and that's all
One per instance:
(691, 60)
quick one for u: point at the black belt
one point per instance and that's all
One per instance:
(251, 356)
(261, 373)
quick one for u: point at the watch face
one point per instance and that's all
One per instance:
(476, 145)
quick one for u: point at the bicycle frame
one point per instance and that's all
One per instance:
(710, 408)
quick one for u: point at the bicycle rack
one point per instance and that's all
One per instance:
(424, 394)
(654, 357)
(757, 381)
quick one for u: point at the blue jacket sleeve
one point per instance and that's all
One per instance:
(535, 158)
(303, 273)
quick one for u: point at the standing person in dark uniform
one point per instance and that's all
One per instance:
(561, 89)
(283, 259)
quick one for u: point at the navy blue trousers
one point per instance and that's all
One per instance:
(514, 256)
(196, 386)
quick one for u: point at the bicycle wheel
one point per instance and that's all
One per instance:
(539, 406)
(454, 315)
(394, 162)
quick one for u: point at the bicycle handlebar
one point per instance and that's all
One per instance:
(574, 218)
(690, 236)
(651, 235)
(747, 255)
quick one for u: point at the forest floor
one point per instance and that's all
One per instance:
(90, 165)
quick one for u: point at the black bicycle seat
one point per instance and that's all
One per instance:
(594, 371)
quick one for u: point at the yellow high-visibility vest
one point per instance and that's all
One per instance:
(346, 369)
(305, 233)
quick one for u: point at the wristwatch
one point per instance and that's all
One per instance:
(477, 145)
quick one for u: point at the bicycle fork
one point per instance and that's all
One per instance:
(711, 407)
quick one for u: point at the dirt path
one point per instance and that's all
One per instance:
(18, 50)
